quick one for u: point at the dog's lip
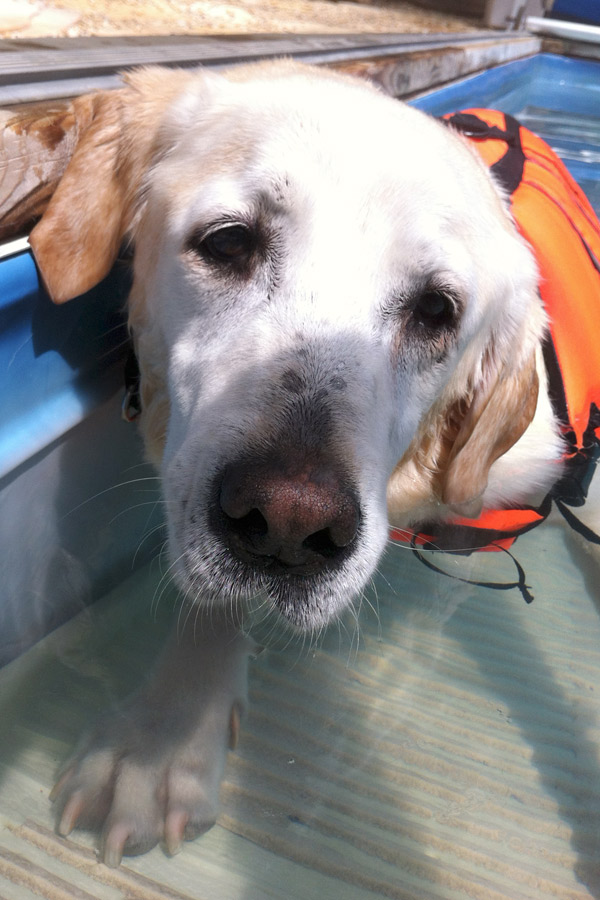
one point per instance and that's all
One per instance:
(306, 597)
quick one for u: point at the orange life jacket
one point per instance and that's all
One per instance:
(554, 215)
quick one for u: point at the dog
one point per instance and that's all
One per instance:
(338, 327)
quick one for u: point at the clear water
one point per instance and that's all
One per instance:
(446, 747)
(443, 744)
(576, 139)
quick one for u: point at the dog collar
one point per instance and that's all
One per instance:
(131, 406)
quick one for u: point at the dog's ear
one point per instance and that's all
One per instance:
(496, 417)
(451, 455)
(78, 238)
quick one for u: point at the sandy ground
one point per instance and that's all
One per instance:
(34, 18)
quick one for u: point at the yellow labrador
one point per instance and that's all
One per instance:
(337, 327)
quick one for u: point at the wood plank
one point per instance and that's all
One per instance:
(407, 74)
(62, 56)
(36, 141)
(122, 51)
(60, 68)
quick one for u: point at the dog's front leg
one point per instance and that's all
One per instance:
(151, 770)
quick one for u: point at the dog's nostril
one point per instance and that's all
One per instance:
(322, 543)
(252, 525)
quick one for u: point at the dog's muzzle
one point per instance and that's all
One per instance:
(287, 518)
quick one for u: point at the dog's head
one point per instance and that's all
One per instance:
(331, 306)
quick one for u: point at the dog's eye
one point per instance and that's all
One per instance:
(230, 244)
(434, 309)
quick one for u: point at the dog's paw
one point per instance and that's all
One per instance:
(141, 785)
(151, 771)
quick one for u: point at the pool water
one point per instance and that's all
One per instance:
(556, 97)
(443, 743)
(448, 746)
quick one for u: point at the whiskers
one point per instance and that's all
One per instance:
(145, 480)
(184, 601)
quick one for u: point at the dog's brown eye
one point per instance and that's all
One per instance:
(435, 309)
(231, 244)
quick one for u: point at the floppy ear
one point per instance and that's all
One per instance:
(451, 455)
(78, 238)
(92, 209)
(495, 419)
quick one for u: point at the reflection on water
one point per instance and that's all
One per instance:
(576, 139)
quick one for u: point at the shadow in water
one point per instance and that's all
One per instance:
(550, 718)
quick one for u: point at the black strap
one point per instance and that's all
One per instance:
(576, 524)
(594, 261)
(132, 401)
(472, 126)
(520, 584)
(556, 390)
(508, 170)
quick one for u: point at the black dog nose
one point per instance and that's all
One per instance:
(301, 518)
